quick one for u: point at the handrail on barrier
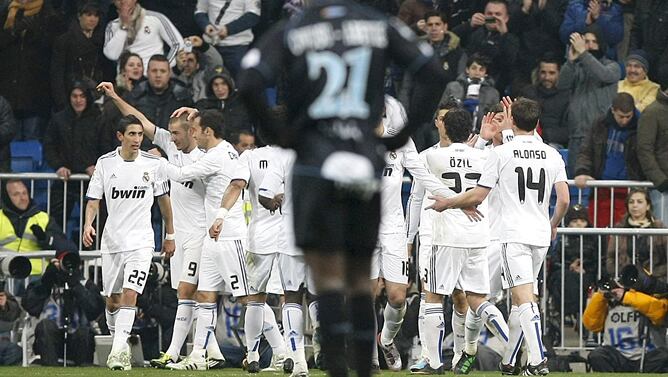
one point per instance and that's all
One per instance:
(73, 177)
(614, 231)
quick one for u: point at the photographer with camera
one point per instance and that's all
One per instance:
(23, 227)
(66, 309)
(621, 321)
(10, 313)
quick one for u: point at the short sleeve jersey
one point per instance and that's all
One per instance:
(187, 197)
(524, 171)
(336, 53)
(265, 225)
(128, 188)
(459, 167)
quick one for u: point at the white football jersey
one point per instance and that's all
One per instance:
(265, 225)
(217, 168)
(128, 188)
(392, 210)
(459, 167)
(524, 171)
(418, 217)
(277, 179)
(222, 12)
(187, 197)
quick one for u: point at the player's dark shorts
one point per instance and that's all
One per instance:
(331, 219)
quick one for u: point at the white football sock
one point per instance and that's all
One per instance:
(182, 323)
(472, 326)
(515, 337)
(458, 330)
(493, 319)
(253, 324)
(434, 333)
(111, 320)
(293, 328)
(422, 327)
(313, 314)
(530, 320)
(205, 329)
(393, 318)
(125, 318)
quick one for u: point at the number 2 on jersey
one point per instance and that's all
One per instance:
(457, 179)
(343, 94)
(525, 181)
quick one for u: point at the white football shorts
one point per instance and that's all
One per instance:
(390, 259)
(461, 268)
(125, 269)
(184, 264)
(521, 264)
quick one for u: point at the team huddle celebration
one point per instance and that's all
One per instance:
(397, 205)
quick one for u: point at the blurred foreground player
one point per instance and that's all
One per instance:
(336, 53)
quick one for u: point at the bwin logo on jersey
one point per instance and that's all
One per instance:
(134, 193)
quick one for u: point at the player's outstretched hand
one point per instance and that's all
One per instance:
(88, 235)
(473, 214)
(168, 248)
(489, 127)
(216, 228)
(192, 113)
(440, 203)
(107, 89)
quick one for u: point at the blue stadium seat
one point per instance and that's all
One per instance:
(26, 156)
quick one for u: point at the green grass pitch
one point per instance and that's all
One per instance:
(148, 372)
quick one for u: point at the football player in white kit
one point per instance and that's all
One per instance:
(261, 260)
(222, 263)
(458, 265)
(128, 179)
(525, 171)
(189, 224)
(390, 259)
(292, 266)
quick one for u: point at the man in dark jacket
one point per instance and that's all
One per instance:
(650, 33)
(10, 313)
(62, 303)
(71, 147)
(653, 149)
(159, 95)
(553, 102)
(7, 132)
(77, 55)
(27, 30)
(222, 96)
(609, 153)
(487, 34)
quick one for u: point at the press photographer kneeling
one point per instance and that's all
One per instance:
(65, 309)
(622, 312)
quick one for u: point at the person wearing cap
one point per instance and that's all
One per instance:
(77, 55)
(636, 82)
(71, 147)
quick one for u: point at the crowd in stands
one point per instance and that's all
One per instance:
(599, 69)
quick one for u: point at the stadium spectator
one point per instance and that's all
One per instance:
(27, 31)
(461, 11)
(653, 149)
(62, 303)
(606, 15)
(451, 57)
(77, 55)
(7, 132)
(179, 12)
(159, 95)
(650, 33)
(228, 25)
(536, 23)
(221, 95)
(71, 146)
(553, 102)
(609, 153)
(636, 82)
(487, 34)
(648, 251)
(141, 31)
(474, 88)
(193, 66)
(591, 80)
(621, 326)
(130, 72)
(10, 313)
(412, 13)
(574, 265)
(23, 227)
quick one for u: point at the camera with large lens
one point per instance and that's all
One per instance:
(157, 273)
(69, 262)
(636, 277)
(14, 266)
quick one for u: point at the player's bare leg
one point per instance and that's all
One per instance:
(393, 316)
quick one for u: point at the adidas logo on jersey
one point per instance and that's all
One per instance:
(135, 193)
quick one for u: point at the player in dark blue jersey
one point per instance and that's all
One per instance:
(334, 57)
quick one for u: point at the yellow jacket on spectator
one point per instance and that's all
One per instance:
(643, 92)
(9, 240)
(651, 307)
